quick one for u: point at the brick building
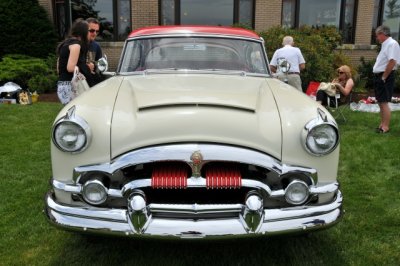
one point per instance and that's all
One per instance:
(356, 19)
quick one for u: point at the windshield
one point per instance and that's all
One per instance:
(194, 53)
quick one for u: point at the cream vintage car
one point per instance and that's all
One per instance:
(192, 137)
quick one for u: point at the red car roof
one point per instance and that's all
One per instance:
(218, 30)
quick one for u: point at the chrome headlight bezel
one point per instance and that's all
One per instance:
(94, 186)
(75, 124)
(321, 125)
(297, 187)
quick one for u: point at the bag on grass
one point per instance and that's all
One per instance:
(25, 98)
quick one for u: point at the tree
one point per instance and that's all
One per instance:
(394, 9)
(25, 29)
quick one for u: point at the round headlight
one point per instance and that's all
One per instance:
(94, 192)
(297, 192)
(69, 136)
(322, 139)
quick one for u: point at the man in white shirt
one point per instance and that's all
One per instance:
(384, 76)
(295, 58)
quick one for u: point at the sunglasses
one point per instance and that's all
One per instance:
(93, 31)
(340, 72)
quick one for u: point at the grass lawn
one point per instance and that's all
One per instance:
(369, 233)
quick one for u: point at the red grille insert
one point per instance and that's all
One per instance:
(223, 177)
(169, 176)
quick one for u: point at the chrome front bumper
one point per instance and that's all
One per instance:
(120, 221)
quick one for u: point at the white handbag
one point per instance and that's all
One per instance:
(78, 83)
(328, 87)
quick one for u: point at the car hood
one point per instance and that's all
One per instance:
(162, 109)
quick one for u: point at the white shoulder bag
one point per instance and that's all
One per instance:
(78, 83)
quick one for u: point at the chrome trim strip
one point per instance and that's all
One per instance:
(326, 188)
(96, 213)
(116, 193)
(115, 221)
(199, 105)
(196, 34)
(193, 71)
(66, 187)
(320, 189)
(195, 208)
(78, 188)
(194, 182)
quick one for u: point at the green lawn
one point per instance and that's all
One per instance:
(369, 233)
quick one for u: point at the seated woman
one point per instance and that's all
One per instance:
(343, 83)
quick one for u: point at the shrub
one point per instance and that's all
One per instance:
(25, 29)
(45, 83)
(42, 84)
(366, 75)
(317, 46)
(29, 72)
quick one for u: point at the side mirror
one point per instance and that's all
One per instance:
(284, 67)
(102, 64)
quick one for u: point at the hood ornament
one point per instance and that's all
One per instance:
(197, 163)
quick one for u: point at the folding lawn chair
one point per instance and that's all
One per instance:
(337, 107)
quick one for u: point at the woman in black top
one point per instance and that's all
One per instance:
(71, 53)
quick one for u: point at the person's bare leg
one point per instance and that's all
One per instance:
(385, 116)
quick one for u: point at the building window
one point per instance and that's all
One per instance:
(348, 23)
(114, 16)
(289, 13)
(376, 20)
(167, 10)
(317, 13)
(387, 12)
(59, 18)
(246, 12)
(207, 12)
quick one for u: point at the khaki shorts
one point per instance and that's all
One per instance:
(293, 80)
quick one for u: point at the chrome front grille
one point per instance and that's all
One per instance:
(174, 175)
(193, 173)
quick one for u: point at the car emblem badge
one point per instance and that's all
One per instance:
(197, 161)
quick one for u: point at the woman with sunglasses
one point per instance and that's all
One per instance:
(343, 83)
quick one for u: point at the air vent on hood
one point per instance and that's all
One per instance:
(198, 105)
